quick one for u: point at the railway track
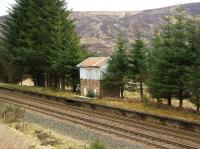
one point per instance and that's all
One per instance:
(126, 121)
(134, 123)
(46, 108)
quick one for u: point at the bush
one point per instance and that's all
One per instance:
(91, 94)
(11, 113)
(46, 138)
(96, 145)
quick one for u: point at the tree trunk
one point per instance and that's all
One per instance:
(74, 88)
(40, 79)
(159, 101)
(21, 83)
(141, 89)
(56, 82)
(51, 81)
(181, 99)
(122, 92)
(169, 101)
(45, 81)
(34, 80)
(62, 83)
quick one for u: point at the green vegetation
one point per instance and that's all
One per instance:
(138, 62)
(91, 94)
(170, 69)
(96, 145)
(194, 70)
(173, 56)
(39, 40)
(115, 76)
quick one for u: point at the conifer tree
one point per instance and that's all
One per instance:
(40, 40)
(44, 31)
(14, 42)
(137, 61)
(116, 75)
(168, 72)
(182, 55)
(161, 83)
(71, 52)
(194, 71)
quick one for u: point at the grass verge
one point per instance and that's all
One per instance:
(149, 107)
(152, 108)
(41, 90)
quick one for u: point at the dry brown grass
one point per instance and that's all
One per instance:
(42, 90)
(132, 101)
(11, 139)
(10, 113)
(150, 107)
(62, 142)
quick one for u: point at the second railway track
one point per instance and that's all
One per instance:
(149, 134)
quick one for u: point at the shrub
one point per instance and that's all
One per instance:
(21, 126)
(96, 145)
(11, 113)
(91, 94)
(46, 138)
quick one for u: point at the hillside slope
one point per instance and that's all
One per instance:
(98, 30)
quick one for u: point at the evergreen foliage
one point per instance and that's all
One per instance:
(172, 58)
(116, 75)
(138, 61)
(14, 48)
(39, 39)
(96, 145)
(160, 82)
(194, 75)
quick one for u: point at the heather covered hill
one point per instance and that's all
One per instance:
(99, 29)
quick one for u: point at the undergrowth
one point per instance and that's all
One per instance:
(96, 145)
(10, 113)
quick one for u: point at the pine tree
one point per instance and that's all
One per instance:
(160, 82)
(40, 40)
(194, 71)
(182, 55)
(14, 42)
(71, 52)
(137, 61)
(194, 84)
(116, 75)
(44, 34)
(168, 72)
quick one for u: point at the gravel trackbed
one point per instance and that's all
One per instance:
(82, 133)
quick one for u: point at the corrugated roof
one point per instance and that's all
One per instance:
(93, 62)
